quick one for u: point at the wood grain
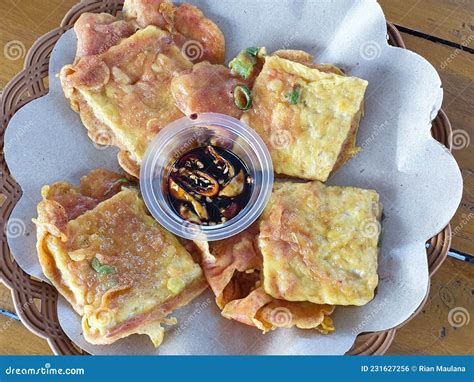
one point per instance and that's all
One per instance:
(22, 23)
(445, 325)
(452, 20)
(15, 338)
(452, 287)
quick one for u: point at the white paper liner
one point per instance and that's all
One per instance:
(418, 179)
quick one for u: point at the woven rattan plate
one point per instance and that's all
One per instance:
(41, 318)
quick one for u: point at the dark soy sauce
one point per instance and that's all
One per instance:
(209, 185)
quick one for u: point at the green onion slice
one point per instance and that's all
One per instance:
(101, 268)
(243, 64)
(253, 51)
(242, 97)
(294, 96)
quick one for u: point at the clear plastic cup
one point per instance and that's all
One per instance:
(186, 134)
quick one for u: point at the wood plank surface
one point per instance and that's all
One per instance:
(433, 331)
(445, 325)
(22, 23)
(15, 338)
(451, 20)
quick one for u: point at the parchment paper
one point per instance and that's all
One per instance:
(418, 179)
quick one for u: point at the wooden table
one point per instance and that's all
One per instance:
(442, 31)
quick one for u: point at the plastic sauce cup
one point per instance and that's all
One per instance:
(188, 133)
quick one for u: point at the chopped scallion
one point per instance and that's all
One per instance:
(242, 97)
(253, 51)
(243, 64)
(294, 96)
(101, 268)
